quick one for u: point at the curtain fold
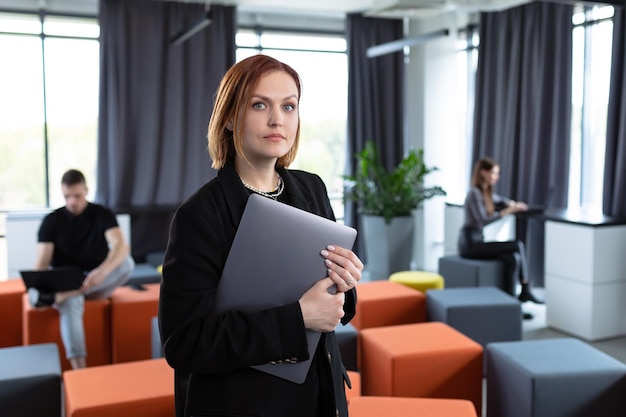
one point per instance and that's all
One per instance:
(156, 99)
(523, 99)
(522, 115)
(614, 197)
(375, 95)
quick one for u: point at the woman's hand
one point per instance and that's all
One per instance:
(517, 206)
(514, 207)
(521, 206)
(344, 267)
(322, 310)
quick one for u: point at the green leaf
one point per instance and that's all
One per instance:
(379, 192)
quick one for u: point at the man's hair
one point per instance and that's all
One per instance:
(225, 135)
(73, 177)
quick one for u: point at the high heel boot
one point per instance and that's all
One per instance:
(527, 295)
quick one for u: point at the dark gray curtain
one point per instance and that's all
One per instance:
(156, 99)
(523, 109)
(614, 203)
(523, 99)
(155, 105)
(375, 95)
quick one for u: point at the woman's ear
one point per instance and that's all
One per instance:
(229, 125)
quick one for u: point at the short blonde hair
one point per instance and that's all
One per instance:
(225, 135)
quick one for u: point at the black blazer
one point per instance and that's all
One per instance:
(212, 354)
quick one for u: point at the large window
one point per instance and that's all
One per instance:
(591, 73)
(467, 62)
(49, 106)
(322, 63)
(49, 103)
(591, 69)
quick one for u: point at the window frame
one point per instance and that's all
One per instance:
(336, 198)
(43, 35)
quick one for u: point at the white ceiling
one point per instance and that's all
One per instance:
(331, 7)
(336, 8)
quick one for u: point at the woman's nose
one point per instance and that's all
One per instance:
(276, 118)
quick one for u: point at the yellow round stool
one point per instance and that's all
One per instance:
(420, 280)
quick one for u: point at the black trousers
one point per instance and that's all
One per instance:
(471, 245)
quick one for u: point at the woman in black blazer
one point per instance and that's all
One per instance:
(253, 136)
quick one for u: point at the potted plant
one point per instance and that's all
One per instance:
(386, 200)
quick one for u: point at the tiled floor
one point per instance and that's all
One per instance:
(537, 329)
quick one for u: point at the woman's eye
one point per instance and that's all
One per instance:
(290, 107)
(259, 106)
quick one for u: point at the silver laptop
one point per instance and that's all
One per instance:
(274, 259)
(54, 280)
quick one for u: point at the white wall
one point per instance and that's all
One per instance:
(21, 239)
(435, 121)
(431, 88)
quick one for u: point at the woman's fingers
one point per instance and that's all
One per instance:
(344, 267)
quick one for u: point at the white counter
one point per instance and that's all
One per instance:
(585, 274)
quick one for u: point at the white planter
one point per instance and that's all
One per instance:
(388, 247)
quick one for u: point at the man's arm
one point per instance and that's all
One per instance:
(118, 251)
(44, 255)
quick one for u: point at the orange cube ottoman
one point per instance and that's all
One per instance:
(385, 303)
(410, 407)
(142, 388)
(355, 381)
(11, 293)
(132, 311)
(430, 360)
(41, 325)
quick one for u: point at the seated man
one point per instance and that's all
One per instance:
(85, 235)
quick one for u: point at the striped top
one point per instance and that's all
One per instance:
(476, 216)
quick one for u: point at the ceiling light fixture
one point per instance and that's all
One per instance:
(183, 35)
(400, 44)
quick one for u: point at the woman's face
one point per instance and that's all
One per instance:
(271, 121)
(492, 175)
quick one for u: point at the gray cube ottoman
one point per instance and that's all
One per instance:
(484, 314)
(30, 381)
(144, 273)
(553, 378)
(463, 272)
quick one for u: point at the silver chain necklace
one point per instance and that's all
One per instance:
(271, 194)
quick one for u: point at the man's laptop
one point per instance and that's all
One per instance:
(275, 257)
(54, 280)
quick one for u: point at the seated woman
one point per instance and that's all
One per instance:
(482, 207)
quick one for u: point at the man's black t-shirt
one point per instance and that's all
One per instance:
(78, 240)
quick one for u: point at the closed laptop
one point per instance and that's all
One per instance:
(54, 280)
(274, 259)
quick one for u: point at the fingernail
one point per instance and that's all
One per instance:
(328, 262)
(325, 253)
(330, 247)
